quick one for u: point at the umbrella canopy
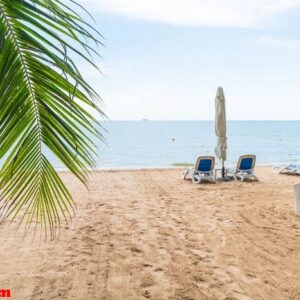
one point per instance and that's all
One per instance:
(220, 125)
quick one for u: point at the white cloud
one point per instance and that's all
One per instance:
(269, 41)
(220, 13)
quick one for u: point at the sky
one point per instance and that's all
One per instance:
(164, 59)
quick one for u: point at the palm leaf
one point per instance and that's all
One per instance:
(42, 95)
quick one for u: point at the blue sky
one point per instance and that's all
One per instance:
(165, 59)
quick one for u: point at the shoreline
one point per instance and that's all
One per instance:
(140, 168)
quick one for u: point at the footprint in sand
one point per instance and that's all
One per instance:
(147, 265)
(136, 250)
(147, 281)
(158, 269)
(146, 294)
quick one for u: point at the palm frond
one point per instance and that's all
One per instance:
(42, 95)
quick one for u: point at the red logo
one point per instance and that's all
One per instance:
(5, 293)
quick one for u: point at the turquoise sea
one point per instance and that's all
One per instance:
(135, 144)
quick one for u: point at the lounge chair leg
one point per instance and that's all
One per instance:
(185, 174)
(196, 179)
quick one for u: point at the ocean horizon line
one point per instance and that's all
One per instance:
(208, 120)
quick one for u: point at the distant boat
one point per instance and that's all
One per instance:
(145, 120)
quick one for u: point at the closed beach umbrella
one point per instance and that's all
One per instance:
(220, 128)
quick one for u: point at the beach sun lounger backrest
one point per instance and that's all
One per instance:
(246, 162)
(205, 163)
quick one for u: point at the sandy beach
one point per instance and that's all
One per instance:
(147, 234)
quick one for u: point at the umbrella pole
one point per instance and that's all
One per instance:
(223, 169)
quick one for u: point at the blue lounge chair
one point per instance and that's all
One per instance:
(203, 170)
(245, 168)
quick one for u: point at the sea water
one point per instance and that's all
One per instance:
(138, 144)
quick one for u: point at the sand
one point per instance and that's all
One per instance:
(146, 234)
